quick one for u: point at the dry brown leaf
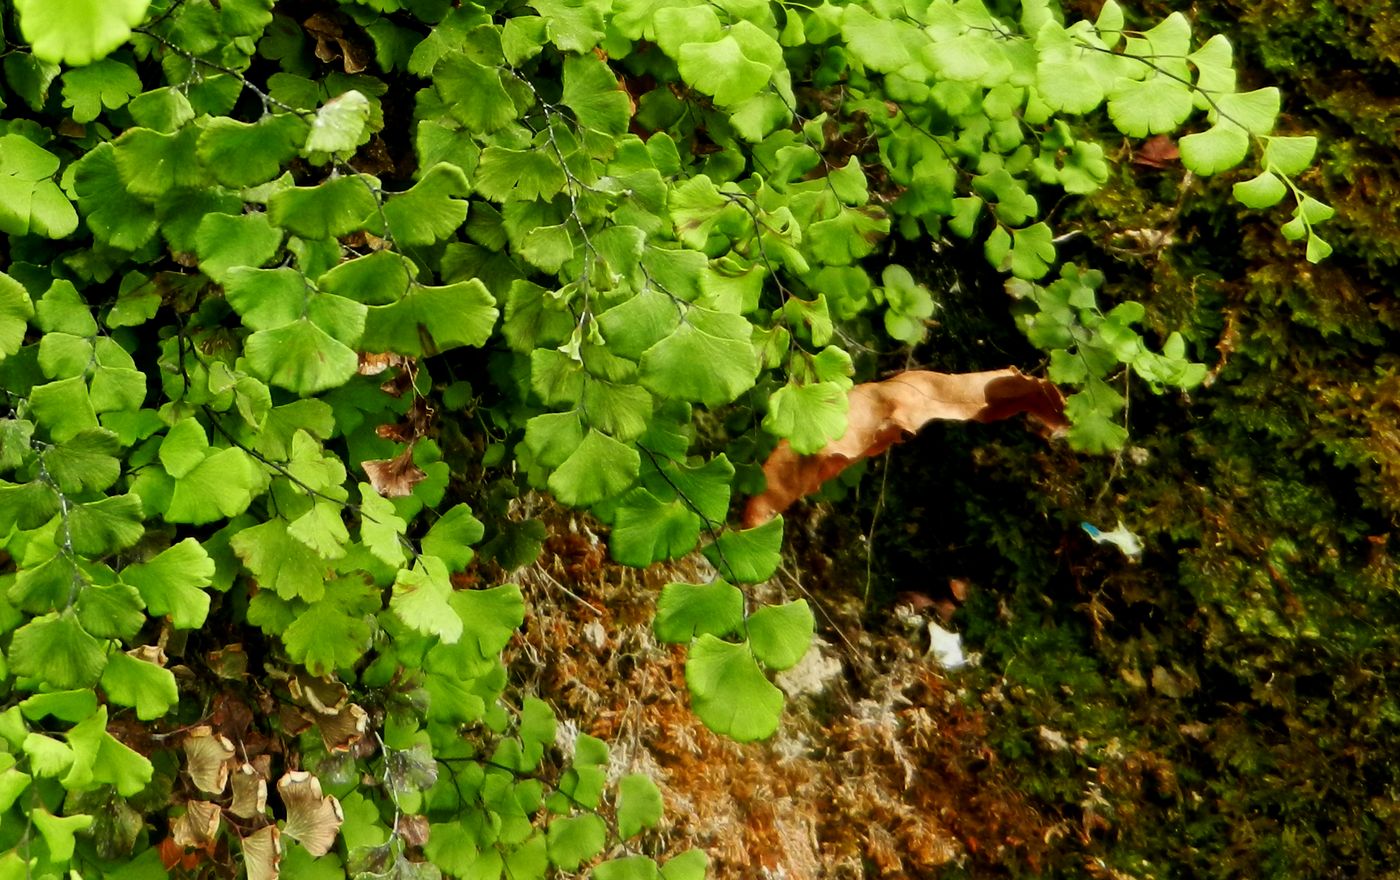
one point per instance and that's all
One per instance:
(294, 720)
(172, 854)
(199, 827)
(207, 758)
(394, 477)
(372, 364)
(344, 730)
(1158, 152)
(321, 694)
(262, 853)
(413, 829)
(313, 820)
(884, 413)
(229, 662)
(332, 43)
(149, 654)
(416, 422)
(249, 792)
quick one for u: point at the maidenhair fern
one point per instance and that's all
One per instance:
(262, 256)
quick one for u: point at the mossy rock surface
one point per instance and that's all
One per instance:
(1227, 706)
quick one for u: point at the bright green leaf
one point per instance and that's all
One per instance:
(450, 316)
(1289, 155)
(96, 528)
(57, 649)
(86, 462)
(691, 864)
(280, 562)
(1219, 148)
(47, 756)
(78, 32)
(328, 210)
(149, 688)
(29, 199)
(490, 617)
(808, 416)
(626, 868)
(1254, 111)
(1260, 192)
(722, 70)
(432, 210)
(686, 611)
(600, 467)
(15, 311)
(221, 485)
(382, 529)
(592, 91)
(339, 126)
(750, 556)
(58, 831)
(638, 804)
(301, 357)
(452, 536)
(240, 154)
(173, 583)
(717, 339)
(1151, 106)
(781, 634)
(729, 692)
(574, 840)
(420, 599)
(647, 529)
(327, 637)
(103, 84)
(224, 242)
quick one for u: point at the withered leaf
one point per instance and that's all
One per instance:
(229, 662)
(321, 694)
(207, 759)
(293, 719)
(394, 477)
(1159, 151)
(332, 43)
(199, 827)
(249, 792)
(372, 364)
(149, 654)
(885, 413)
(345, 729)
(413, 829)
(313, 819)
(262, 853)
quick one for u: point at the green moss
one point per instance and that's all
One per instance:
(1231, 703)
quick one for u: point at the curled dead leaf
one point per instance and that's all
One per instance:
(884, 413)
(207, 759)
(149, 654)
(249, 792)
(413, 829)
(198, 828)
(372, 364)
(262, 853)
(332, 42)
(229, 662)
(394, 477)
(416, 422)
(321, 694)
(294, 720)
(313, 819)
(345, 730)
(173, 855)
(1160, 151)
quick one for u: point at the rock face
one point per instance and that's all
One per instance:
(880, 768)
